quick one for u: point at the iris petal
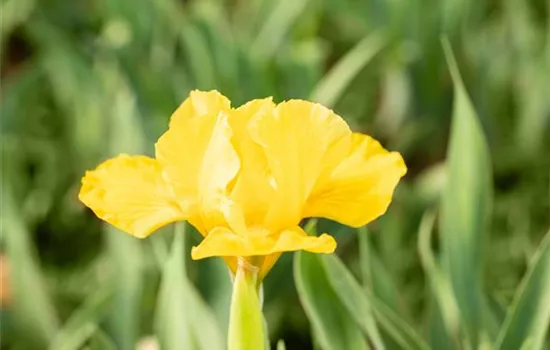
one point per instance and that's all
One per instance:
(220, 165)
(253, 189)
(130, 193)
(182, 148)
(301, 139)
(198, 157)
(224, 242)
(360, 188)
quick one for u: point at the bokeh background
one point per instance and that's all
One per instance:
(84, 80)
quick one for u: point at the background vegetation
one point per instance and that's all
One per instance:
(460, 259)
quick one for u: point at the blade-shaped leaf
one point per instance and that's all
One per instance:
(352, 297)
(334, 83)
(171, 325)
(83, 322)
(183, 320)
(331, 323)
(447, 311)
(126, 252)
(199, 56)
(277, 25)
(204, 325)
(438, 334)
(359, 302)
(375, 275)
(101, 341)
(528, 319)
(465, 205)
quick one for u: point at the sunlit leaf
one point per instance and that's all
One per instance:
(466, 206)
(332, 324)
(361, 303)
(447, 311)
(352, 297)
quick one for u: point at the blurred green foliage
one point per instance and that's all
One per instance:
(459, 259)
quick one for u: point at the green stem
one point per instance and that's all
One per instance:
(245, 320)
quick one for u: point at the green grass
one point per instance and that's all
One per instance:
(461, 258)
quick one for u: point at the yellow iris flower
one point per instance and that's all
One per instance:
(245, 177)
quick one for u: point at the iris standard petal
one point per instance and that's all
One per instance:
(360, 188)
(129, 192)
(254, 186)
(300, 140)
(197, 154)
(200, 103)
(220, 165)
(224, 242)
(181, 149)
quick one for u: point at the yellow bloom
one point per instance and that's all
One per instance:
(245, 177)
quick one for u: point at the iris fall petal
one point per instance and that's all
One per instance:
(129, 192)
(360, 188)
(224, 242)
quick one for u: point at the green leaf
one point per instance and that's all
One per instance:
(277, 25)
(199, 56)
(359, 303)
(466, 206)
(204, 324)
(528, 319)
(220, 35)
(127, 255)
(171, 325)
(447, 310)
(352, 297)
(101, 341)
(125, 251)
(375, 275)
(215, 276)
(331, 322)
(365, 265)
(183, 320)
(335, 82)
(438, 334)
(32, 304)
(83, 322)
(534, 105)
